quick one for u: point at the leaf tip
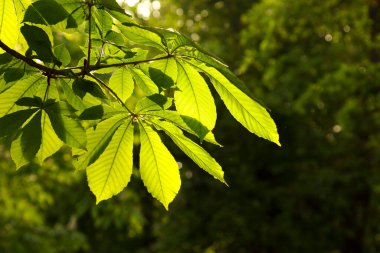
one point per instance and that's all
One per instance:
(99, 199)
(276, 140)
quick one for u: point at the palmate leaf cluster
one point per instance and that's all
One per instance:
(130, 84)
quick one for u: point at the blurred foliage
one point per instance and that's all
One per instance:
(315, 64)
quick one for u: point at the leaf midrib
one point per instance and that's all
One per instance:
(113, 159)
(155, 160)
(192, 89)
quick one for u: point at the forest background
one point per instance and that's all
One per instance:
(315, 65)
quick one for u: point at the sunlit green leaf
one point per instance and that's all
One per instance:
(248, 112)
(142, 36)
(71, 98)
(11, 123)
(194, 99)
(9, 26)
(192, 150)
(25, 87)
(26, 146)
(62, 54)
(97, 140)
(159, 171)
(164, 73)
(153, 103)
(122, 83)
(45, 12)
(112, 170)
(144, 82)
(190, 126)
(50, 143)
(103, 21)
(69, 130)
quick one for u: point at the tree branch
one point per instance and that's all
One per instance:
(68, 71)
(32, 63)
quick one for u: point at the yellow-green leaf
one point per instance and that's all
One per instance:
(112, 171)
(144, 82)
(122, 83)
(97, 140)
(140, 35)
(25, 87)
(200, 156)
(26, 146)
(50, 143)
(248, 112)
(194, 98)
(175, 118)
(9, 26)
(159, 171)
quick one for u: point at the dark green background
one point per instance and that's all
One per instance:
(315, 65)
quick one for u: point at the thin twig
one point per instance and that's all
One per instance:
(89, 4)
(102, 66)
(111, 91)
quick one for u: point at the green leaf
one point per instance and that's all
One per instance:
(200, 55)
(122, 17)
(45, 12)
(26, 146)
(153, 102)
(190, 125)
(140, 35)
(9, 26)
(11, 123)
(98, 138)
(71, 98)
(111, 5)
(103, 21)
(50, 143)
(248, 112)
(12, 68)
(192, 150)
(82, 86)
(75, 10)
(25, 87)
(164, 73)
(30, 102)
(101, 112)
(69, 130)
(92, 113)
(122, 83)
(63, 54)
(113, 169)
(144, 82)
(114, 37)
(159, 171)
(175, 40)
(194, 98)
(39, 42)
